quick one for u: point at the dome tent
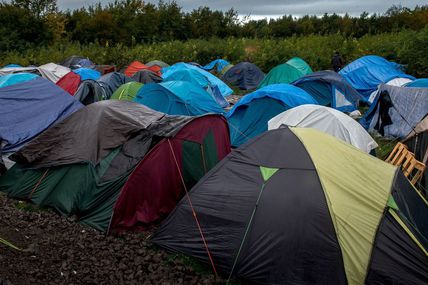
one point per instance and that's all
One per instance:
(300, 64)
(177, 98)
(146, 76)
(159, 63)
(249, 116)
(128, 172)
(218, 65)
(75, 61)
(14, 78)
(327, 120)
(136, 66)
(283, 73)
(330, 89)
(245, 75)
(296, 206)
(70, 82)
(127, 91)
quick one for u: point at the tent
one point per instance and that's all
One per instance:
(396, 110)
(297, 206)
(283, 73)
(250, 115)
(28, 108)
(87, 73)
(245, 75)
(215, 81)
(146, 76)
(90, 91)
(177, 98)
(127, 172)
(111, 81)
(69, 82)
(12, 65)
(330, 89)
(367, 72)
(217, 65)
(127, 91)
(199, 79)
(159, 63)
(327, 120)
(15, 78)
(421, 82)
(50, 71)
(75, 61)
(137, 66)
(300, 64)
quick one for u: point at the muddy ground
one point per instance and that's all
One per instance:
(56, 250)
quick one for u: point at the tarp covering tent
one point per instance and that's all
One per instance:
(28, 108)
(300, 64)
(197, 78)
(297, 206)
(177, 98)
(111, 81)
(421, 82)
(250, 115)
(69, 82)
(218, 65)
(245, 75)
(367, 72)
(327, 120)
(283, 73)
(330, 89)
(146, 76)
(215, 81)
(90, 91)
(15, 78)
(75, 61)
(159, 63)
(128, 172)
(127, 91)
(396, 110)
(137, 66)
(87, 73)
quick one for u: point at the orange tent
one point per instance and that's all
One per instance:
(137, 66)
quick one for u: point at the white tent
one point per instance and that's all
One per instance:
(327, 120)
(50, 71)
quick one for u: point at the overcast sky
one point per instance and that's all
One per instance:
(275, 8)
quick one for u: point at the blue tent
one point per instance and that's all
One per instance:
(197, 78)
(421, 82)
(28, 108)
(330, 89)
(245, 75)
(396, 111)
(11, 65)
(218, 64)
(224, 89)
(177, 98)
(15, 78)
(368, 72)
(87, 73)
(250, 116)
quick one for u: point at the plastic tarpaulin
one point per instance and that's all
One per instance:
(217, 64)
(87, 73)
(28, 108)
(421, 82)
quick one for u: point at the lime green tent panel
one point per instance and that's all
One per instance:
(127, 91)
(300, 64)
(283, 73)
(355, 217)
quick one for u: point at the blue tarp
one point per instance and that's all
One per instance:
(409, 107)
(224, 89)
(250, 116)
(218, 64)
(421, 82)
(368, 72)
(245, 75)
(87, 73)
(28, 108)
(15, 78)
(330, 89)
(177, 98)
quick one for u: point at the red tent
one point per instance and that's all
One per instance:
(69, 82)
(136, 66)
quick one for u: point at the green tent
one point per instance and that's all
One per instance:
(300, 64)
(127, 91)
(283, 73)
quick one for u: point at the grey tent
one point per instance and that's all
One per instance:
(159, 63)
(111, 81)
(76, 61)
(90, 91)
(245, 75)
(146, 76)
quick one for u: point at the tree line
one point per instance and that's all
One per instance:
(25, 24)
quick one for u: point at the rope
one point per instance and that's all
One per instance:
(193, 210)
(38, 184)
(5, 242)
(246, 233)
(236, 129)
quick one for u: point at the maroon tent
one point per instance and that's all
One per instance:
(69, 82)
